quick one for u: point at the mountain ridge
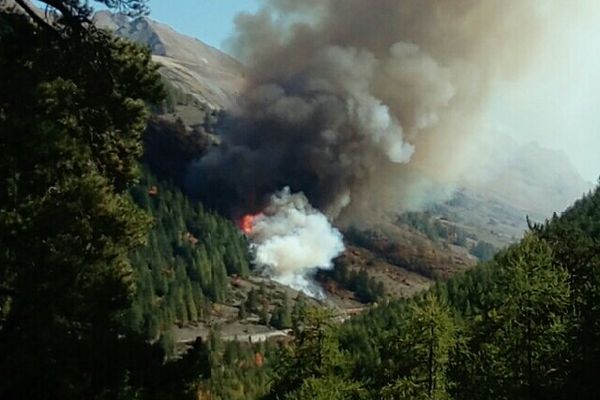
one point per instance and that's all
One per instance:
(531, 177)
(191, 65)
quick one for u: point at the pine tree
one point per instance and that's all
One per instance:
(534, 316)
(286, 314)
(326, 388)
(520, 341)
(263, 313)
(314, 354)
(242, 313)
(299, 312)
(252, 301)
(72, 109)
(421, 352)
(282, 316)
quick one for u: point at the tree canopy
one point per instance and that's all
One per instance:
(72, 109)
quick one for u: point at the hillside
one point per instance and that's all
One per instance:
(116, 283)
(192, 66)
(523, 326)
(193, 277)
(486, 213)
(523, 179)
(534, 179)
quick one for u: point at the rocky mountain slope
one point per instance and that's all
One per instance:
(192, 66)
(529, 177)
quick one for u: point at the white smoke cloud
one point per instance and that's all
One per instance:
(291, 239)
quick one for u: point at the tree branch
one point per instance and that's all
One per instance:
(34, 16)
(74, 17)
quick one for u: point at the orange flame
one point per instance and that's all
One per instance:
(247, 223)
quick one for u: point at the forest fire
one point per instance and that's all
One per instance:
(246, 223)
(290, 239)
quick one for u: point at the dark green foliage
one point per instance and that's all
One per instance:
(367, 289)
(240, 371)
(77, 321)
(575, 239)
(436, 229)
(186, 264)
(483, 250)
(72, 109)
(299, 311)
(242, 312)
(175, 97)
(150, 377)
(522, 326)
(440, 229)
(263, 313)
(282, 315)
(169, 148)
(425, 223)
(518, 338)
(313, 365)
(252, 301)
(419, 352)
(330, 387)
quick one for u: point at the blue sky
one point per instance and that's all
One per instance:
(208, 20)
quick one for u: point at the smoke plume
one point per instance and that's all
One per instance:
(355, 102)
(359, 105)
(290, 239)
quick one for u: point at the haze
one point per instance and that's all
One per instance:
(555, 102)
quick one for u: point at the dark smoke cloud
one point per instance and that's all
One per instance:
(359, 102)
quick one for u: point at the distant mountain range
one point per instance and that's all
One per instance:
(530, 177)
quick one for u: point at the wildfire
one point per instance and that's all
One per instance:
(247, 223)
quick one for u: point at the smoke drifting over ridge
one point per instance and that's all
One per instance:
(360, 108)
(352, 102)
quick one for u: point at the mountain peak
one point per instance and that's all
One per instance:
(190, 64)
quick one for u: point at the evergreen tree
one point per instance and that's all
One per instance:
(183, 267)
(532, 320)
(72, 109)
(421, 352)
(518, 341)
(314, 354)
(282, 316)
(263, 313)
(242, 313)
(327, 388)
(252, 301)
(299, 311)
(573, 238)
